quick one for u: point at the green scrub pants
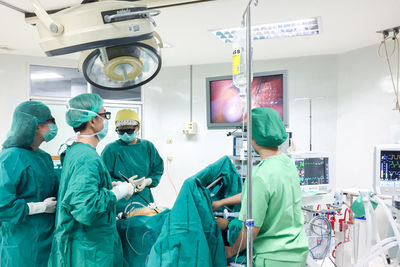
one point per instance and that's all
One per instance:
(264, 262)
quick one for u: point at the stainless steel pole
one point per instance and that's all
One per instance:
(310, 124)
(249, 221)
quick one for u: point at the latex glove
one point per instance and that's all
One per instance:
(115, 183)
(143, 184)
(48, 205)
(123, 190)
(136, 182)
(133, 181)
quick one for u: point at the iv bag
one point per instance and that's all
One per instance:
(239, 61)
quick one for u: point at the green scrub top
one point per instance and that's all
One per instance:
(86, 233)
(141, 159)
(25, 176)
(277, 211)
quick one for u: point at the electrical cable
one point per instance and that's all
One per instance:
(240, 245)
(332, 261)
(387, 56)
(323, 219)
(322, 237)
(170, 179)
(127, 239)
(329, 241)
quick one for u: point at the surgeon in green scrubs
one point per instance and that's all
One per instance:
(130, 156)
(278, 236)
(28, 188)
(86, 233)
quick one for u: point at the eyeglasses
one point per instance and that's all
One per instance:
(123, 131)
(106, 115)
(51, 120)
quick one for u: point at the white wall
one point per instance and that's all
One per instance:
(166, 107)
(14, 83)
(365, 115)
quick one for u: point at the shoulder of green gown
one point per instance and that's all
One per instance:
(43, 153)
(81, 150)
(116, 143)
(145, 142)
(15, 155)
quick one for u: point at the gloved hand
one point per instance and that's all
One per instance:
(123, 189)
(48, 205)
(115, 183)
(145, 182)
(134, 182)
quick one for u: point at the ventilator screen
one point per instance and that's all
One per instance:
(390, 165)
(313, 171)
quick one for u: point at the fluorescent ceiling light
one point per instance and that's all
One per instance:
(46, 76)
(302, 27)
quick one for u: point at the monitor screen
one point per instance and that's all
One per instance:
(225, 106)
(390, 165)
(313, 171)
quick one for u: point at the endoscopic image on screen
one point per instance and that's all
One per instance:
(226, 105)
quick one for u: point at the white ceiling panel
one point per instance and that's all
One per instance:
(346, 25)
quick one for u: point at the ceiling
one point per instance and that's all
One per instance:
(346, 25)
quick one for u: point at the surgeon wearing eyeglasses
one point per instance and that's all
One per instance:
(130, 156)
(86, 232)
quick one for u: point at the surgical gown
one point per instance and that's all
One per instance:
(86, 233)
(25, 176)
(141, 159)
(281, 240)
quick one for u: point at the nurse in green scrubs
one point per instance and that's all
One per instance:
(130, 156)
(278, 236)
(28, 188)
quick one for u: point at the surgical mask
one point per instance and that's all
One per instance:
(104, 131)
(127, 138)
(53, 130)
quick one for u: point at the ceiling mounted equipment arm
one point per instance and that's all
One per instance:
(54, 27)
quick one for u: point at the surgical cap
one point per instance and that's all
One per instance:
(26, 118)
(126, 117)
(267, 127)
(89, 102)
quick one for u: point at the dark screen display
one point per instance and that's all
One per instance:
(390, 165)
(313, 171)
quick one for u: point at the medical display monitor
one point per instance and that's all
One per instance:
(224, 106)
(387, 169)
(313, 170)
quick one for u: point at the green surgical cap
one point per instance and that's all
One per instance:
(267, 127)
(90, 102)
(26, 118)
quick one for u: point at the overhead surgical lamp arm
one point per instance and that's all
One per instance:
(141, 13)
(54, 27)
(158, 39)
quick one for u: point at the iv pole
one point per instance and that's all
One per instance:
(310, 101)
(249, 221)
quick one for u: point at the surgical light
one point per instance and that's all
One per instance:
(303, 27)
(120, 49)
